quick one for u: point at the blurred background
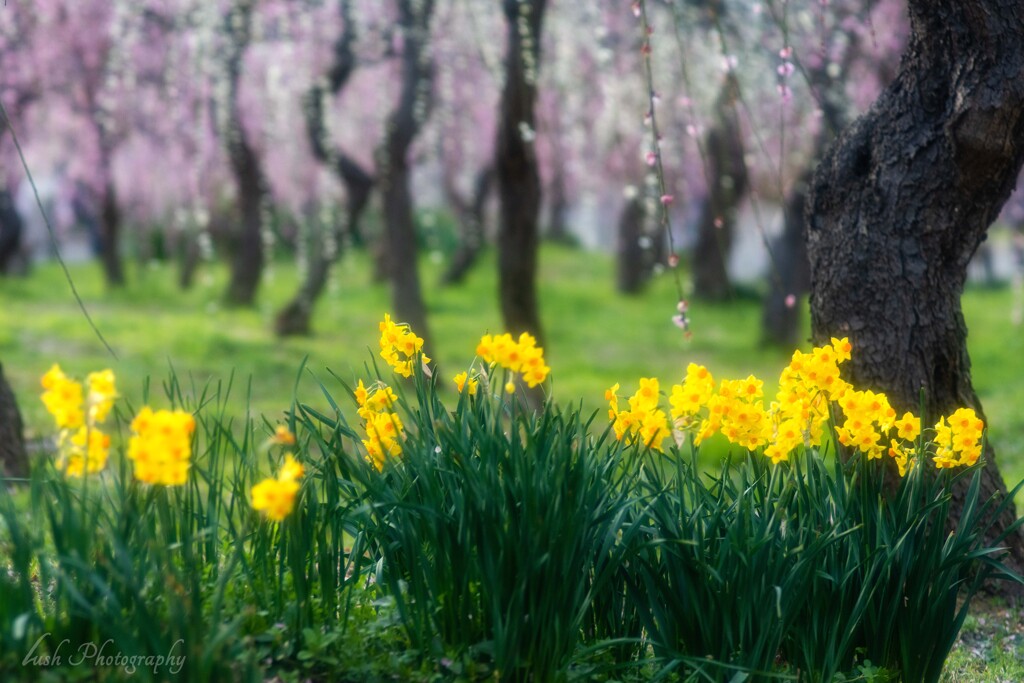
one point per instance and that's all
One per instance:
(241, 186)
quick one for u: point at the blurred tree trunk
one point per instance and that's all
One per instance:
(13, 458)
(516, 169)
(11, 229)
(903, 199)
(110, 214)
(726, 174)
(393, 170)
(790, 276)
(631, 270)
(189, 256)
(558, 210)
(294, 317)
(110, 235)
(471, 216)
(247, 251)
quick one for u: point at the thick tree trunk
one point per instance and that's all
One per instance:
(393, 165)
(905, 196)
(472, 219)
(727, 181)
(516, 169)
(13, 459)
(247, 242)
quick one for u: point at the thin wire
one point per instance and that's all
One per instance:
(53, 237)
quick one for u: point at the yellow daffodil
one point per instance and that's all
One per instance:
(161, 446)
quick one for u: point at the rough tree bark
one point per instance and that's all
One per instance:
(726, 172)
(247, 247)
(903, 199)
(516, 170)
(471, 216)
(393, 170)
(13, 458)
(294, 317)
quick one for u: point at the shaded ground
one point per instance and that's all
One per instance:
(991, 646)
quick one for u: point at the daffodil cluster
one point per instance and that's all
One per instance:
(83, 446)
(798, 416)
(275, 497)
(161, 446)
(644, 421)
(737, 411)
(399, 346)
(692, 395)
(868, 417)
(522, 356)
(958, 439)
(381, 423)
